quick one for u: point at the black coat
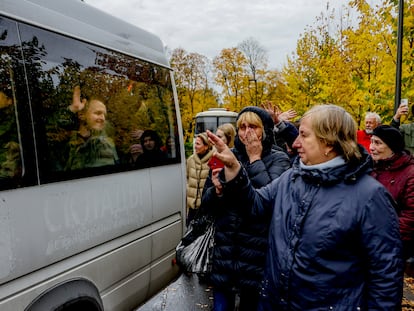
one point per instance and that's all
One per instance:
(241, 238)
(334, 240)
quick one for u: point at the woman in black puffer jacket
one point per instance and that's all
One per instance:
(241, 238)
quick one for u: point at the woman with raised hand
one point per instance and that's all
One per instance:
(240, 241)
(394, 168)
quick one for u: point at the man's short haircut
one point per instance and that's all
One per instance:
(373, 115)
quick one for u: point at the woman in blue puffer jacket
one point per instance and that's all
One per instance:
(334, 240)
(240, 242)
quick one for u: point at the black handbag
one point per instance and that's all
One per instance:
(195, 250)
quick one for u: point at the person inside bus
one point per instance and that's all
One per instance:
(240, 241)
(135, 149)
(197, 173)
(170, 147)
(90, 146)
(152, 154)
(10, 162)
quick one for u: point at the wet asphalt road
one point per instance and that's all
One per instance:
(187, 293)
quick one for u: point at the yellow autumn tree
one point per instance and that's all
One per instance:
(302, 73)
(191, 72)
(346, 63)
(390, 10)
(370, 50)
(231, 76)
(275, 89)
(408, 53)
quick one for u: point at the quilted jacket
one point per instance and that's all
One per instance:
(240, 242)
(334, 241)
(397, 175)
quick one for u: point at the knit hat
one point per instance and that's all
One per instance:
(391, 137)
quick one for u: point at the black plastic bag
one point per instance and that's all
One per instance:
(194, 252)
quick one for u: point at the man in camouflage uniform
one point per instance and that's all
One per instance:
(90, 146)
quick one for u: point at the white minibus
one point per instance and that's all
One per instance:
(213, 118)
(92, 166)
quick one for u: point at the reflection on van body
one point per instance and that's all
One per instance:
(78, 214)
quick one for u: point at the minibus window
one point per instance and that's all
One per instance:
(10, 151)
(91, 105)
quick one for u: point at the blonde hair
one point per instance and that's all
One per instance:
(251, 118)
(334, 126)
(230, 132)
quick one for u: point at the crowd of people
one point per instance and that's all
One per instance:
(317, 215)
(90, 145)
